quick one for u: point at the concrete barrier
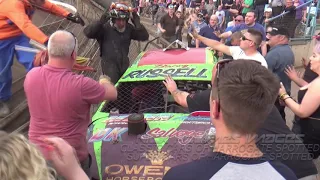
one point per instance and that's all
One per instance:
(302, 50)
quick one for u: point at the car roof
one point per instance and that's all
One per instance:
(173, 56)
(181, 64)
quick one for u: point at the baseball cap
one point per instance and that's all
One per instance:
(200, 15)
(170, 6)
(268, 10)
(279, 31)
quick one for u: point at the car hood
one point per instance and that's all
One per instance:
(170, 139)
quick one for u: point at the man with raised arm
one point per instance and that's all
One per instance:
(249, 43)
(114, 34)
(59, 100)
(249, 22)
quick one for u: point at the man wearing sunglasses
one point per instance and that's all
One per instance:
(249, 22)
(238, 19)
(250, 41)
(114, 34)
(279, 58)
(242, 96)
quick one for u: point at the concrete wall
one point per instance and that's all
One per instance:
(303, 50)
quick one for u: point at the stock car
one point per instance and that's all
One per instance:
(173, 136)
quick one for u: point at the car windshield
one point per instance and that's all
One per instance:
(151, 97)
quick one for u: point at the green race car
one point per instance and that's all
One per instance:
(173, 135)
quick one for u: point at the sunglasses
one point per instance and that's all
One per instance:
(243, 38)
(238, 20)
(220, 65)
(75, 43)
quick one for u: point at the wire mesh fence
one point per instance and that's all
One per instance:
(150, 97)
(89, 11)
(89, 48)
(135, 97)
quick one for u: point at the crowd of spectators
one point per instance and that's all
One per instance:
(197, 14)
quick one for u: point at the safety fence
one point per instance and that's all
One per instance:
(150, 97)
(90, 11)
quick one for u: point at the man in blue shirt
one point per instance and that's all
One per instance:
(280, 57)
(211, 31)
(237, 21)
(249, 23)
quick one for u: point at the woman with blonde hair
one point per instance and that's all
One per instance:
(308, 106)
(21, 160)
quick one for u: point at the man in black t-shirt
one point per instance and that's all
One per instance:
(198, 101)
(195, 102)
(235, 118)
(169, 25)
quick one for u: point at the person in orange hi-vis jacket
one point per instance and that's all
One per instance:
(16, 28)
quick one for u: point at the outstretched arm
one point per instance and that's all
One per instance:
(225, 35)
(215, 45)
(56, 10)
(16, 14)
(310, 102)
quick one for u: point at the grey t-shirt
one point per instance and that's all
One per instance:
(278, 58)
(219, 166)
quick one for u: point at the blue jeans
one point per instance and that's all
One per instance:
(7, 52)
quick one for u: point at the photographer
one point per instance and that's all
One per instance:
(114, 34)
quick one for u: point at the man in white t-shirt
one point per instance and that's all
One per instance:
(250, 41)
